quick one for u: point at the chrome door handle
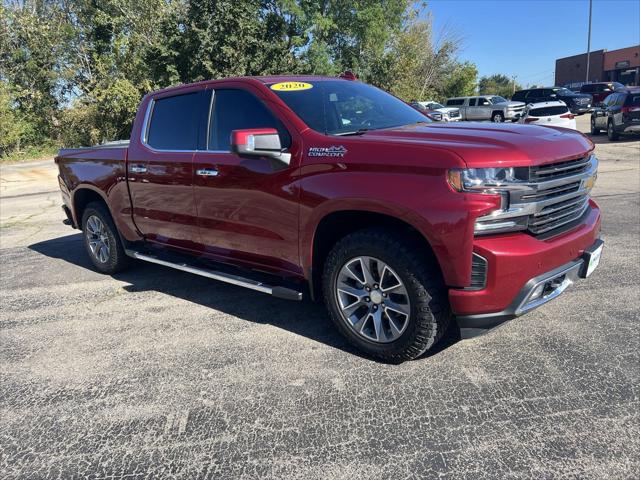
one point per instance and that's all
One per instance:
(207, 172)
(137, 169)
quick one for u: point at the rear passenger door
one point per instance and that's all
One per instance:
(160, 168)
(472, 113)
(247, 207)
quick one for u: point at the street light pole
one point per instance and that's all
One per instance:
(589, 41)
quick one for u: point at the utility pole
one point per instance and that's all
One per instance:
(513, 79)
(589, 41)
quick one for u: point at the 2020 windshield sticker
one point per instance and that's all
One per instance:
(291, 86)
(332, 151)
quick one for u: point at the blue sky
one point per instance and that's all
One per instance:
(524, 37)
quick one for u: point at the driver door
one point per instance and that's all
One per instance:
(247, 207)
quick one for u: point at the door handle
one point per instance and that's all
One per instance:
(137, 169)
(207, 172)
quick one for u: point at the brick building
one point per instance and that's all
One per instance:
(622, 65)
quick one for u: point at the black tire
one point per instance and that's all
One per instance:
(611, 131)
(594, 130)
(430, 314)
(497, 117)
(115, 260)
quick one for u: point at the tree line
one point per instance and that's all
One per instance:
(73, 71)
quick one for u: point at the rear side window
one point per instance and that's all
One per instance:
(548, 111)
(472, 102)
(174, 123)
(633, 99)
(237, 110)
(455, 101)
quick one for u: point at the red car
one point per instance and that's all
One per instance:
(333, 188)
(600, 91)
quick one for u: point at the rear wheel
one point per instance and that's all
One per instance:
(384, 297)
(611, 131)
(594, 129)
(497, 117)
(101, 239)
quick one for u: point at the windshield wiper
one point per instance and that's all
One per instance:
(360, 131)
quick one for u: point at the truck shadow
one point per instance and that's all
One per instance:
(304, 318)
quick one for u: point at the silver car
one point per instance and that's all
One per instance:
(487, 107)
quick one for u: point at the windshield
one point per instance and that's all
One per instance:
(563, 91)
(339, 107)
(434, 106)
(497, 99)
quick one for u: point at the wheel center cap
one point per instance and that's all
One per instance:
(376, 297)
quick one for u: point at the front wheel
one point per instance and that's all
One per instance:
(611, 131)
(101, 239)
(384, 297)
(497, 117)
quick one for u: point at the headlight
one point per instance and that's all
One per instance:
(486, 180)
(436, 116)
(493, 181)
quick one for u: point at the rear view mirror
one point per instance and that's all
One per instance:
(258, 142)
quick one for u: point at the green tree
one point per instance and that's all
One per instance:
(498, 84)
(460, 81)
(12, 127)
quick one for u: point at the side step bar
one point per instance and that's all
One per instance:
(276, 291)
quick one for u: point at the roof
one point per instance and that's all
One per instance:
(555, 103)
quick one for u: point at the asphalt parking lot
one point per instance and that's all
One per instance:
(159, 374)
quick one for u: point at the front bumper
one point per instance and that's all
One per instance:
(580, 109)
(516, 264)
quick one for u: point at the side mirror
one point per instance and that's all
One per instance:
(258, 142)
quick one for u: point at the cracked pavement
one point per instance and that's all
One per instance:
(155, 373)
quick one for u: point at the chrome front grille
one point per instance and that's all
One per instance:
(548, 202)
(558, 214)
(558, 170)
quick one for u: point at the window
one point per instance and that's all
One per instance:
(497, 99)
(455, 102)
(342, 107)
(237, 110)
(548, 111)
(472, 102)
(483, 101)
(633, 99)
(588, 88)
(174, 122)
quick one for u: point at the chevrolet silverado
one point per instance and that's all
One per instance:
(334, 189)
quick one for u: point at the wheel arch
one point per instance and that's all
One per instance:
(82, 196)
(336, 225)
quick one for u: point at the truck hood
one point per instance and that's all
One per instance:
(447, 109)
(512, 103)
(491, 145)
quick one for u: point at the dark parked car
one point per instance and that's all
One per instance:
(600, 91)
(578, 103)
(619, 113)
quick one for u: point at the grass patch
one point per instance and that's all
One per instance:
(30, 153)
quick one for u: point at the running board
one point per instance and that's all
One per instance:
(276, 291)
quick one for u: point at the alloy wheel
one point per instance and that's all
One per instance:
(98, 239)
(372, 299)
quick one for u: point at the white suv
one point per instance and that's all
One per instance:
(550, 114)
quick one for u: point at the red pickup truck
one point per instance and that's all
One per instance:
(332, 188)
